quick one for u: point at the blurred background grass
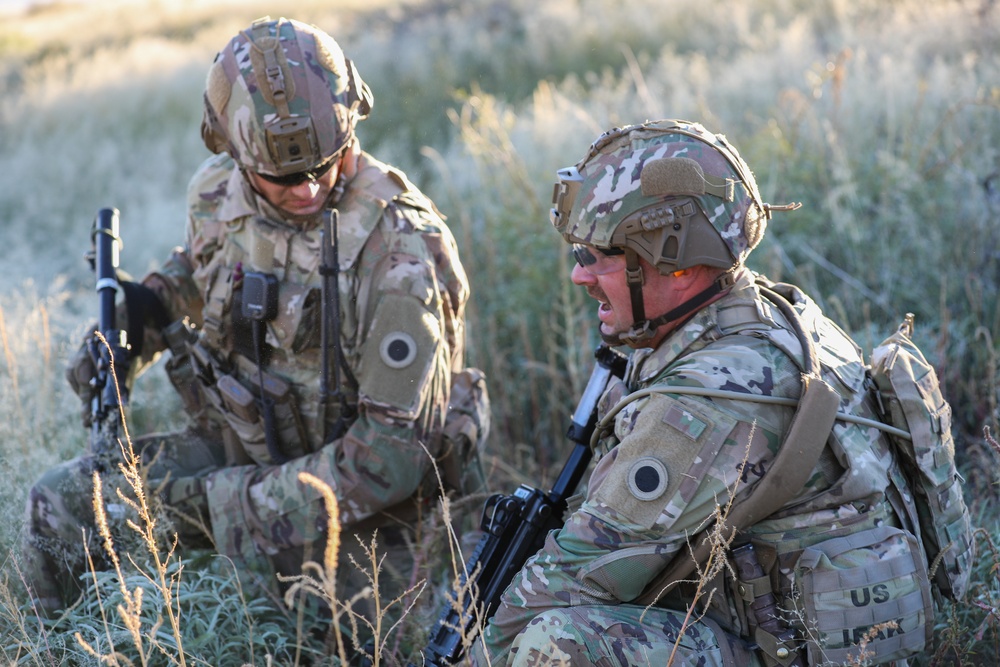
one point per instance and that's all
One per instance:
(881, 116)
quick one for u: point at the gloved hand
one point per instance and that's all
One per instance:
(186, 504)
(466, 427)
(81, 369)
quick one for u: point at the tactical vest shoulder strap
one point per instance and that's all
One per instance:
(364, 203)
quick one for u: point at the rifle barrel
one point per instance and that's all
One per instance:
(107, 244)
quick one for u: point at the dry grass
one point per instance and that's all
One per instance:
(881, 117)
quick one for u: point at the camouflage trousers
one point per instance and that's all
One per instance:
(625, 635)
(61, 539)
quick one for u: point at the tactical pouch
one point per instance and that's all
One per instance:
(291, 432)
(240, 408)
(179, 336)
(863, 589)
(911, 399)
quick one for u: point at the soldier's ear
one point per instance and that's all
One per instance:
(695, 277)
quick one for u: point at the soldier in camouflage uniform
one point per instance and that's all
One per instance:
(662, 217)
(281, 105)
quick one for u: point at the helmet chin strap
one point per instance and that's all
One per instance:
(643, 329)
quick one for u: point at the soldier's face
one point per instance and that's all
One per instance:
(604, 280)
(304, 198)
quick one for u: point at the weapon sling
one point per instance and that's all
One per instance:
(330, 327)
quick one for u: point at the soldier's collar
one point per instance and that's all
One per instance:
(239, 198)
(701, 329)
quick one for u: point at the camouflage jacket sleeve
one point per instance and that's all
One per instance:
(411, 292)
(677, 459)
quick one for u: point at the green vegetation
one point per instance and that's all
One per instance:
(882, 117)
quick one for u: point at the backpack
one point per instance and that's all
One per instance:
(844, 588)
(910, 399)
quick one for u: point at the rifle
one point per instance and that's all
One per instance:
(515, 527)
(330, 329)
(109, 393)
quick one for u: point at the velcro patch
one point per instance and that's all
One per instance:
(685, 421)
(398, 354)
(657, 466)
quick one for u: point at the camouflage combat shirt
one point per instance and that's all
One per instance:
(402, 294)
(673, 459)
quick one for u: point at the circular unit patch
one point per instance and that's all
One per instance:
(647, 478)
(398, 350)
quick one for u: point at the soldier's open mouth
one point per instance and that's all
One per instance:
(604, 312)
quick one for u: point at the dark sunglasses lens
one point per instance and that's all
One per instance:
(287, 180)
(300, 177)
(583, 256)
(320, 171)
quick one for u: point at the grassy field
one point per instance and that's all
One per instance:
(881, 116)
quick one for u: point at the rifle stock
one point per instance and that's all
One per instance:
(111, 357)
(514, 528)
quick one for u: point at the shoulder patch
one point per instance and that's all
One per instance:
(669, 445)
(398, 355)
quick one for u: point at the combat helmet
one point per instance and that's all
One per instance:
(281, 99)
(668, 191)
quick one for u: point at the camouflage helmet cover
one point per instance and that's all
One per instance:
(281, 98)
(675, 193)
